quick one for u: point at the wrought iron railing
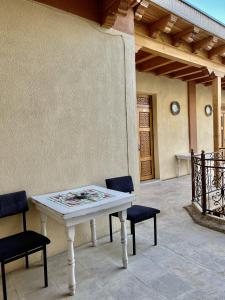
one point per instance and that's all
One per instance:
(208, 181)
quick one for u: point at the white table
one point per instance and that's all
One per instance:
(183, 156)
(79, 213)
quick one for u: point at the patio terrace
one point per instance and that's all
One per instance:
(188, 263)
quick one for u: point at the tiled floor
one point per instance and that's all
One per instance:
(187, 264)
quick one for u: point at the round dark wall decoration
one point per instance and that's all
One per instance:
(208, 110)
(175, 108)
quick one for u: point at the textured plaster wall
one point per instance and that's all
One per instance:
(204, 123)
(170, 132)
(62, 108)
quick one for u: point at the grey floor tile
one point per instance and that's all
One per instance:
(170, 286)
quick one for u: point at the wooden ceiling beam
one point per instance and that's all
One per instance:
(211, 80)
(202, 74)
(164, 24)
(174, 53)
(186, 35)
(196, 78)
(185, 72)
(172, 67)
(141, 8)
(204, 80)
(153, 64)
(112, 9)
(217, 51)
(208, 83)
(140, 59)
(205, 44)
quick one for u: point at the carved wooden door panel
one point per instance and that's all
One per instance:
(145, 136)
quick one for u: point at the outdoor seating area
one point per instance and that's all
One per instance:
(186, 259)
(106, 108)
(71, 208)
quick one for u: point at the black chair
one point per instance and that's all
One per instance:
(136, 213)
(21, 244)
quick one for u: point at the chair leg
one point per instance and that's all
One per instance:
(27, 261)
(45, 266)
(133, 234)
(3, 281)
(110, 228)
(155, 231)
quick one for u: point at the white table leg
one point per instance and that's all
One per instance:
(123, 217)
(43, 224)
(93, 232)
(43, 230)
(71, 259)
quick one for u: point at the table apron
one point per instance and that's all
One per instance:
(82, 218)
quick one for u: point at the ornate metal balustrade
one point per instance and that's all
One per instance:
(208, 182)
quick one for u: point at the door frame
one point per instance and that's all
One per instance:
(155, 133)
(155, 130)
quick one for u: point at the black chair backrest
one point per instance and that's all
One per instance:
(13, 203)
(121, 184)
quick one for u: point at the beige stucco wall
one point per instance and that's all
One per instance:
(170, 132)
(204, 123)
(223, 96)
(63, 107)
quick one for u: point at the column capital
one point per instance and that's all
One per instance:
(216, 73)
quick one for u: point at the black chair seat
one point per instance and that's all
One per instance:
(139, 213)
(20, 243)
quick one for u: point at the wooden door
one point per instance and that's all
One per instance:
(145, 137)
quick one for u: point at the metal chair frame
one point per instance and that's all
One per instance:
(132, 224)
(132, 229)
(26, 255)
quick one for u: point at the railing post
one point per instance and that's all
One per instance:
(216, 169)
(193, 175)
(203, 183)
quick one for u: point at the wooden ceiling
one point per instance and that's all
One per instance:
(157, 23)
(154, 22)
(157, 18)
(160, 66)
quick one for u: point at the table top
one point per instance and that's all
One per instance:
(183, 156)
(82, 200)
